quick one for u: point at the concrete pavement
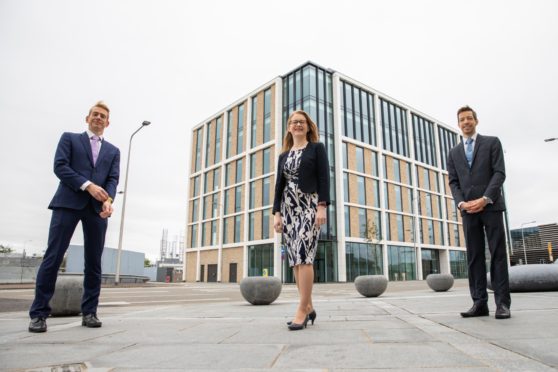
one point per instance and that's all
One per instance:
(207, 327)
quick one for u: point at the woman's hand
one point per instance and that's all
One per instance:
(321, 215)
(277, 222)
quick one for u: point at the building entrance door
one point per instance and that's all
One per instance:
(211, 273)
(232, 273)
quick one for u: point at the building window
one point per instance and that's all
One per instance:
(347, 221)
(361, 190)
(194, 236)
(195, 210)
(357, 114)
(237, 228)
(447, 141)
(345, 187)
(458, 264)
(252, 195)
(266, 191)
(267, 116)
(238, 199)
(430, 262)
(216, 179)
(240, 130)
(218, 128)
(362, 223)
(401, 263)
(363, 259)
(266, 160)
(344, 150)
(260, 260)
(196, 182)
(359, 159)
(424, 140)
(238, 177)
(198, 148)
(251, 227)
(394, 128)
(254, 124)
(266, 217)
(374, 164)
(229, 132)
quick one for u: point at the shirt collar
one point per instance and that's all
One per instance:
(91, 134)
(474, 137)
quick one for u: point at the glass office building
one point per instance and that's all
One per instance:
(391, 209)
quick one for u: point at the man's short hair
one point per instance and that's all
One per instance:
(467, 108)
(102, 105)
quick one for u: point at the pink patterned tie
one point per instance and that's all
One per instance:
(95, 147)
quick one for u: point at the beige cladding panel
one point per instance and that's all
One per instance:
(230, 230)
(425, 235)
(435, 206)
(406, 202)
(403, 170)
(422, 198)
(353, 186)
(389, 167)
(208, 257)
(191, 264)
(273, 90)
(257, 225)
(373, 230)
(354, 228)
(351, 156)
(258, 192)
(193, 149)
(369, 185)
(259, 163)
(211, 144)
(393, 226)
(233, 131)
(446, 182)
(408, 233)
(433, 180)
(420, 176)
(231, 255)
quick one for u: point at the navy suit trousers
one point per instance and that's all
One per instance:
(62, 227)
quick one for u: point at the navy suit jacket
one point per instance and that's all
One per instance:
(313, 174)
(485, 177)
(73, 165)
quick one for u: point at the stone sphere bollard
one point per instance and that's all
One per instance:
(67, 296)
(260, 290)
(440, 282)
(371, 285)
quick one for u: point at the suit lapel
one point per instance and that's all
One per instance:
(87, 146)
(103, 151)
(478, 144)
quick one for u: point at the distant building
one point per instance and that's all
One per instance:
(392, 212)
(536, 247)
(131, 263)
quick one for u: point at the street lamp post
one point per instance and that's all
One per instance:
(523, 239)
(119, 254)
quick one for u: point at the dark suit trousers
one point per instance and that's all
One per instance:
(475, 225)
(62, 227)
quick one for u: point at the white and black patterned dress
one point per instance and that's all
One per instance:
(298, 211)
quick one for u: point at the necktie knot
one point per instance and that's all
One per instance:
(469, 140)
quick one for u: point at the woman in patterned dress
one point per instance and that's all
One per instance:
(299, 208)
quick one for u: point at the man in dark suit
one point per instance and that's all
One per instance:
(476, 175)
(88, 168)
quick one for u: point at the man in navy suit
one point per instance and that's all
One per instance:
(88, 168)
(476, 175)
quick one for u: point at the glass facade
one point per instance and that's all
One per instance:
(401, 263)
(363, 259)
(430, 262)
(458, 264)
(425, 146)
(260, 260)
(394, 128)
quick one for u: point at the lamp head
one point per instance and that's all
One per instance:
(146, 123)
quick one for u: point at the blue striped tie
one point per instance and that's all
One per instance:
(469, 151)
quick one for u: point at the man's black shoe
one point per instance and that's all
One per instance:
(476, 310)
(37, 325)
(91, 321)
(502, 312)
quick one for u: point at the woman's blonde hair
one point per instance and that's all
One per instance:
(312, 134)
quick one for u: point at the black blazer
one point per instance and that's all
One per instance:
(485, 177)
(313, 174)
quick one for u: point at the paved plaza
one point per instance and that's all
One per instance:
(209, 327)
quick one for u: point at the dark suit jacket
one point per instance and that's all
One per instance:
(485, 177)
(313, 174)
(73, 165)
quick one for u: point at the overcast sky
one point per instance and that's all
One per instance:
(176, 63)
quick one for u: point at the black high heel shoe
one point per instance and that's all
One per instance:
(298, 327)
(312, 316)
